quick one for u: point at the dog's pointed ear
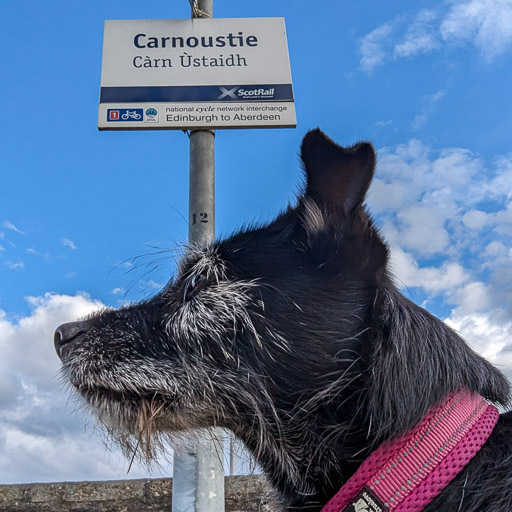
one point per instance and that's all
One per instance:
(335, 230)
(337, 177)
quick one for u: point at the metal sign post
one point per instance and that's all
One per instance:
(199, 75)
(198, 479)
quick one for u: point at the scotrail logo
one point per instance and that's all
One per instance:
(254, 92)
(228, 94)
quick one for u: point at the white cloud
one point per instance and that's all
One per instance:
(457, 167)
(496, 250)
(472, 298)
(372, 48)
(502, 182)
(449, 178)
(487, 335)
(420, 36)
(504, 221)
(429, 105)
(117, 291)
(385, 196)
(443, 242)
(476, 219)
(9, 225)
(413, 174)
(33, 456)
(42, 436)
(485, 24)
(422, 229)
(66, 242)
(445, 279)
(15, 265)
(383, 124)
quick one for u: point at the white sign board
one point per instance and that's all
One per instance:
(196, 73)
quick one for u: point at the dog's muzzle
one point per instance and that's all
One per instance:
(67, 334)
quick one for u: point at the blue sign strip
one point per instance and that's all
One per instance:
(171, 94)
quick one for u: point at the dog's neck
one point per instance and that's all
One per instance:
(407, 473)
(312, 451)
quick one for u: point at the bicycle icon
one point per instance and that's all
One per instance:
(131, 114)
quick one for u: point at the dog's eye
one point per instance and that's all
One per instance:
(194, 285)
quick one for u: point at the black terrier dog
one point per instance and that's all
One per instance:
(293, 336)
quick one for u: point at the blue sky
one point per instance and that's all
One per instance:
(85, 215)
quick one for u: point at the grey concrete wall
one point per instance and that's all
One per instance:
(243, 494)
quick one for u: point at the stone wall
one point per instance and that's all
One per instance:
(243, 494)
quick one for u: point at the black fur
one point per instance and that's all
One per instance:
(294, 336)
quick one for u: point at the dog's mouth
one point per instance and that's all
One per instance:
(123, 397)
(100, 396)
(120, 405)
(144, 422)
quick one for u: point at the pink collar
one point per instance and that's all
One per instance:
(407, 473)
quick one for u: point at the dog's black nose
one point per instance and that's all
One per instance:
(66, 333)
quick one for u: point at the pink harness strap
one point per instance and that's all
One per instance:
(405, 474)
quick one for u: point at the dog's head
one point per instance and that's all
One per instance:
(291, 334)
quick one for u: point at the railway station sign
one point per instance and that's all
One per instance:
(196, 73)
